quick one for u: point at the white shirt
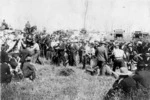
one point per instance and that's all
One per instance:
(118, 53)
(54, 43)
(87, 49)
(93, 51)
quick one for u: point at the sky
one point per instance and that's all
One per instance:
(102, 15)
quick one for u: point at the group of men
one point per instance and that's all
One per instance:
(99, 55)
(19, 58)
(84, 52)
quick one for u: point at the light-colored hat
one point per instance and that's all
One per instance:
(139, 42)
(123, 72)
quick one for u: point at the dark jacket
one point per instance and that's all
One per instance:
(143, 77)
(101, 53)
(5, 73)
(4, 57)
(128, 85)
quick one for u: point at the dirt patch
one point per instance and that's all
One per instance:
(65, 72)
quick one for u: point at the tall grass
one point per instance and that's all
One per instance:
(49, 85)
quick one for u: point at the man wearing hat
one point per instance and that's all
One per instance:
(81, 51)
(4, 25)
(139, 47)
(130, 82)
(124, 85)
(102, 57)
(74, 53)
(86, 58)
(44, 32)
(27, 27)
(43, 41)
(61, 53)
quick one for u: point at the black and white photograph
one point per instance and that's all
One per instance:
(75, 49)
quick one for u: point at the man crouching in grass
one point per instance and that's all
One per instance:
(28, 69)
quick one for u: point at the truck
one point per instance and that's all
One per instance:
(119, 35)
(139, 35)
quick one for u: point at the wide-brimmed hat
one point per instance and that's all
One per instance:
(123, 72)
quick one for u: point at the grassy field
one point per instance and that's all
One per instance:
(49, 85)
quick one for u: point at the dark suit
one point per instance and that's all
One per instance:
(127, 86)
(73, 51)
(4, 57)
(61, 53)
(102, 57)
(81, 51)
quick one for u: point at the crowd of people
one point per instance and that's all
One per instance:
(98, 57)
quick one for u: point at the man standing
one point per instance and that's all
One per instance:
(27, 27)
(140, 47)
(73, 52)
(81, 51)
(4, 25)
(102, 57)
(119, 56)
(61, 52)
(44, 33)
(43, 42)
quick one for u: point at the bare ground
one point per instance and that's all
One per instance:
(49, 85)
